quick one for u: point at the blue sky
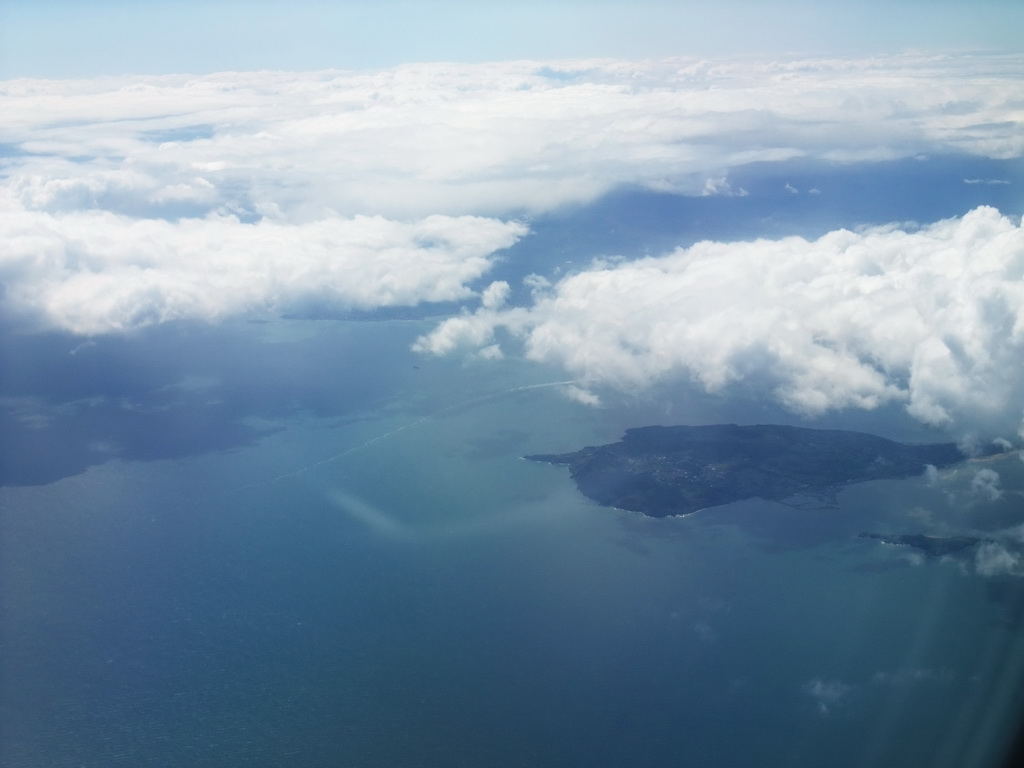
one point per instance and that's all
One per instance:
(51, 38)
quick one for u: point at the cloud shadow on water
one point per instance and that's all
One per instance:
(180, 390)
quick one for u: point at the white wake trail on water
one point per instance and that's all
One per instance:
(470, 402)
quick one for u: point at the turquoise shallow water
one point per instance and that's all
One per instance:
(398, 588)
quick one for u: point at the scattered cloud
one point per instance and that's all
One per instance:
(97, 272)
(985, 485)
(720, 186)
(993, 559)
(492, 352)
(495, 295)
(914, 558)
(827, 694)
(581, 395)
(931, 318)
(1002, 444)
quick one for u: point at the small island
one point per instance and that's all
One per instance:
(933, 546)
(666, 471)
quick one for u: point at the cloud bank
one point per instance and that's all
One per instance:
(931, 318)
(483, 139)
(131, 201)
(96, 272)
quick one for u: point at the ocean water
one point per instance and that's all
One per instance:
(386, 582)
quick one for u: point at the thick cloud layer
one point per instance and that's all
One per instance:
(96, 272)
(482, 139)
(930, 317)
(130, 201)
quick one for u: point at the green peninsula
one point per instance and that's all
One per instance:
(664, 471)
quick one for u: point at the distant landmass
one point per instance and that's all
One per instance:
(933, 546)
(664, 471)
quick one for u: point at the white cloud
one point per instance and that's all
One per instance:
(993, 559)
(495, 295)
(492, 352)
(827, 694)
(985, 485)
(96, 272)
(127, 201)
(581, 395)
(720, 186)
(914, 558)
(485, 139)
(931, 318)
(1002, 444)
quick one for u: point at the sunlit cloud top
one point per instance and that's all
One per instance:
(931, 319)
(482, 139)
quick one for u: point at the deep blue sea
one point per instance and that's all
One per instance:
(297, 543)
